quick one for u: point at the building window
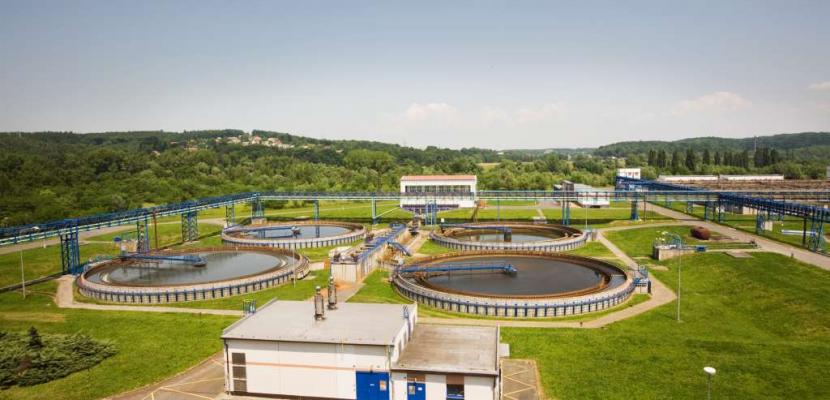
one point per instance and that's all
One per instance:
(455, 392)
(240, 372)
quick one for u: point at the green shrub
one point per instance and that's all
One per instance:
(31, 358)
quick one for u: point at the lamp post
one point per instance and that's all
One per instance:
(710, 372)
(679, 267)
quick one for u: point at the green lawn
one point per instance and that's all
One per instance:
(762, 322)
(638, 242)
(322, 253)
(431, 248)
(151, 346)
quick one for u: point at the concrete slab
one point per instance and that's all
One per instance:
(520, 380)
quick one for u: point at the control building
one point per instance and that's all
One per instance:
(292, 349)
(417, 189)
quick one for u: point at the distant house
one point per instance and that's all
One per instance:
(633, 173)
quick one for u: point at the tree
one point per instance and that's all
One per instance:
(652, 157)
(717, 158)
(707, 158)
(662, 161)
(774, 157)
(675, 160)
(691, 160)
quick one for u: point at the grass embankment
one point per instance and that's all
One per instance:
(761, 321)
(746, 223)
(151, 346)
(638, 242)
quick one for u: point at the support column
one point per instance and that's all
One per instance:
(70, 252)
(720, 211)
(257, 210)
(566, 212)
(230, 215)
(142, 236)
(635, 215)
(190, 226)
(817, 239)
(498, 209)
(316, 206)
(374, 211)
(759, 223)
(706, 210)
(690, 208)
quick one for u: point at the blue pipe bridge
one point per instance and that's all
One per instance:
(449, 268)
(500, 228)
(781, 202)
(183, 258)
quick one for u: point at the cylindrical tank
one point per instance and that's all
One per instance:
(701, 233)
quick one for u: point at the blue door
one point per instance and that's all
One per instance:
(372, 385)
(416, 391)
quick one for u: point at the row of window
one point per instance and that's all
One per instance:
(437, 189)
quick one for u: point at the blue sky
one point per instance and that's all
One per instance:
(454, 74)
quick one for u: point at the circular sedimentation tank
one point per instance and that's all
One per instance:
(509, 236)
(514, 283)
(294, 235)
(198, 274)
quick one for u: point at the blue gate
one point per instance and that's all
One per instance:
(416, 390)
(372, 385)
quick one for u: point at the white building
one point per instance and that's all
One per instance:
(457, 191)
(687, 178)
(751, 178)
(358, 351)
(587, 196)
(633, 173)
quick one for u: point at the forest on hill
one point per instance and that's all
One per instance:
(51, 175)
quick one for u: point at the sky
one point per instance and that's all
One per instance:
(508, 74)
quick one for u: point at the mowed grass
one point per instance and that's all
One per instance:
(762, 322)
(638, 242)
(40, 262)
(151, 346)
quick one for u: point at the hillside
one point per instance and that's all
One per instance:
(782, 142)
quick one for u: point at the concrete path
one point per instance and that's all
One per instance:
(798, 253)
(520, 380)
(65, 299)
(206, 380)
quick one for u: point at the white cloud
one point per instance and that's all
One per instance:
(538, 114)
(429, 111)
(820, 86)
(718, 101)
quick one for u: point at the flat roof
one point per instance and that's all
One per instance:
(451, 349)
(350, 323)
(438, 178)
